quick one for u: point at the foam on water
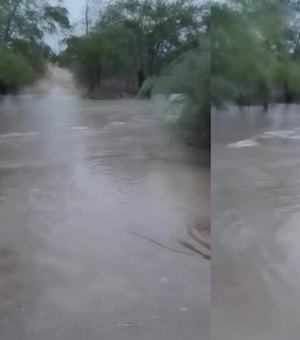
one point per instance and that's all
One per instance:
(18, 134)
(272, 134)
(277, 134)
(247, 143)
(79, 128)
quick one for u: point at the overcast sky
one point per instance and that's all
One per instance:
(75, 8)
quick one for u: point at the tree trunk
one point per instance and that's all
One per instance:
(99, 75)
(141, 78)
(3, 88)
(87, 28)
(288, 95)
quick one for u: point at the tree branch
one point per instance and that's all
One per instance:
(10, 20)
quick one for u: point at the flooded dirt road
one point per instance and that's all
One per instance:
(256, 224)
(75, 176)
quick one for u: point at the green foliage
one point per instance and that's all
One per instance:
(254, 43)
(146, 90)
(56, 16)
(134, 35)
(30, 19)
(33, 53)
(23, 25)
(155, 31)
(161, 40)
(92, 58)
(14, 68)
(189, 75)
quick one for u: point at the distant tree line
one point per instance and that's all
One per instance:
(144, 47)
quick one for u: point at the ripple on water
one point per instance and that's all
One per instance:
(280, 134)
(117, 123)
(19, 134)
(5, 165)
(79, 128)
(243, 144)
(275, 134)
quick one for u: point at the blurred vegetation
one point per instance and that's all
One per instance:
(14, 69)
(189, 75)
(24, 25)
(255, 52)
(132, 37)
(141, 47)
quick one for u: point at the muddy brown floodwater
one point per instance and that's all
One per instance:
(256, 224)
(75, 176)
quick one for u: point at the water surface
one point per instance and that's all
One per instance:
(256, 224)
(75, 176)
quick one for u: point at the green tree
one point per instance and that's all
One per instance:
(15, 71)
(254, 46)
(30, 19)
(92, 57)
(189, 75)
(140, 37)
(165, 42)
(155, 32)
(23, 26)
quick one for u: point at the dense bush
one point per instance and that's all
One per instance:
(15, 70)
(133, 40)
(255, 45)
(23, 27)
(190, 75)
